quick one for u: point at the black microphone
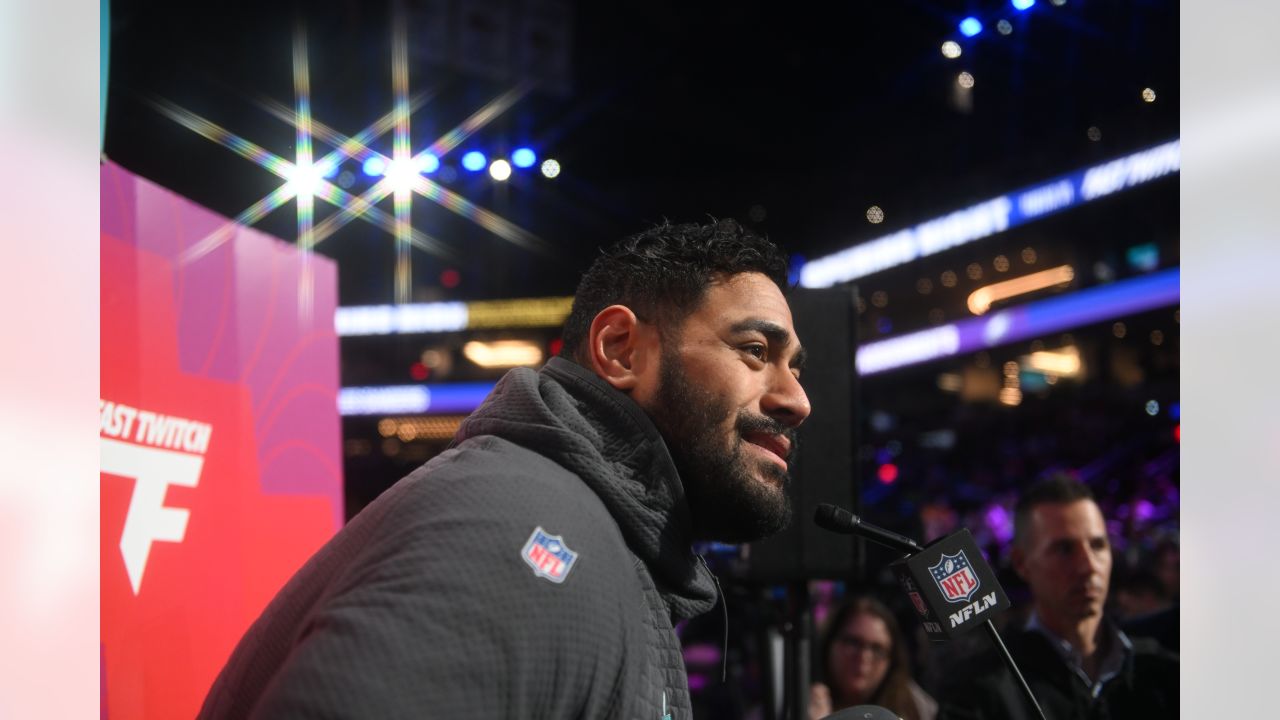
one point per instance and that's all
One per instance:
(837, 519)
(949, 582)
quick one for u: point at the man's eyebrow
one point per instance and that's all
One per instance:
(775, 334)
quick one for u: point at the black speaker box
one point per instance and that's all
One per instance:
(823, 467)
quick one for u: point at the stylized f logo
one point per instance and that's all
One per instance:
(148, 520)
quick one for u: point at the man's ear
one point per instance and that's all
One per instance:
(621, 349)
(1019, 561)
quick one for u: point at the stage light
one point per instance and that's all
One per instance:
(1175, 411)
(1021, 5)
(1119, 330)
(980, 300)
(1094, 133)
(427, 163)
(1059, 3)
(970, 26)
(965, 80)
(418, 371)
(374, 165)
(875, 215)
(1029, 255)
(329, 170)
(887, 473)
(1001, 263)
(500, 170)
(1153, 408)
(550, 168)
(450, 278)
(523, 157)
(948, 278)
(502, 353)
(951, 49)
(474, 161)
(1157, 337)
(1148, 95)
(1060, 363)
(304, 180)
(1004, 27)
(402, 175)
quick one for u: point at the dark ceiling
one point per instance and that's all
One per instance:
(807, 112)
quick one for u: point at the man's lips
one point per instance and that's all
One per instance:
(776, 445)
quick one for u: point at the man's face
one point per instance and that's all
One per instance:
(728, 402)
(1066, 559)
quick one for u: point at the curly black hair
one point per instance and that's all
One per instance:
(663, 273)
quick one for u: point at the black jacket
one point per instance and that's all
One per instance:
(1146, 688)
(425, 606)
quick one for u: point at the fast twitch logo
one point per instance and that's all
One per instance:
(156, 451)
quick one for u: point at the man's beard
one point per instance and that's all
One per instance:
(726, 502)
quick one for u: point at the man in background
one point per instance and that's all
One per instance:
(1077, 661)
(535, 568)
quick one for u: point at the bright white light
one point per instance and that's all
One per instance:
(1004, 27)
(500, 170)
(951, 49)
(410, 318)
(305, 180)
(1023, 4)
(550, 168)
(1148, 95)
(406, 399)
(875, 215)
(402, 174)
(965, 80)
(908, 349)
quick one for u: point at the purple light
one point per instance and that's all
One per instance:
(997, 518)
(1143, 510)
(702, 654)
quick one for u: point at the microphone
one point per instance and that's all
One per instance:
(839, 520)
(949, 582)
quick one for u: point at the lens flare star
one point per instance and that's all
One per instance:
(305, 178)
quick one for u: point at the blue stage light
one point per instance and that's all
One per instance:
(474, 161)
(374, 165)
(1023, 4)
(970, 26)
(428, 163)
(523, 157)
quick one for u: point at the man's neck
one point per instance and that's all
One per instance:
(1081, 634)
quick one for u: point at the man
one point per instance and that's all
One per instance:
(535, 568)
(1077, 662)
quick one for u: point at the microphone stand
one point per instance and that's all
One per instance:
(898, 542)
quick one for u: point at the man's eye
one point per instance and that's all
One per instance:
(757, 351)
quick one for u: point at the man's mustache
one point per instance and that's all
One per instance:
(751, 423)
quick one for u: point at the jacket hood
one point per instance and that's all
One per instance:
(569, 415)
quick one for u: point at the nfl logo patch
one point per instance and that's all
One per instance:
(549, 557)
(954, 577)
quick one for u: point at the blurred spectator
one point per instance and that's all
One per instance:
(1078, 663)
(864, 661)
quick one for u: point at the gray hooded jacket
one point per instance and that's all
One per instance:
(533, 570)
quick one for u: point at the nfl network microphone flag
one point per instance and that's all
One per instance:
(951, 586)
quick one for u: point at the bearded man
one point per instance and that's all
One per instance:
(535, 568)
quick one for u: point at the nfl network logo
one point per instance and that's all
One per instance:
(955, 578)
(549, 557)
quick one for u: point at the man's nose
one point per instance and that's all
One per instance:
(786, 400)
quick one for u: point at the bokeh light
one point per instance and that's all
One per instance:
(500, 170)
(524, 157)
(550, 168)
(970, 26)
(951, 49)
(474, 161)
(875, 215)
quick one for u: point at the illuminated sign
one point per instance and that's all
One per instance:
(992, 216)
(1020, 323)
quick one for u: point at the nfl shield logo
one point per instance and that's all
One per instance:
(549, 557)
(954, 577)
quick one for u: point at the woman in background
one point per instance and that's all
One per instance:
(864, 662)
